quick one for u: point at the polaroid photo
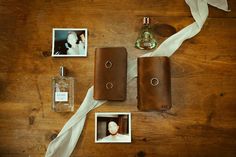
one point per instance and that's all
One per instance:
(69, 42)
(112, 127)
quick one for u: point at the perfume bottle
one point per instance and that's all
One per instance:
(62, 92)
(145, 40)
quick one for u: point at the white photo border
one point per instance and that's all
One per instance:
(72, 29)
(113, 113)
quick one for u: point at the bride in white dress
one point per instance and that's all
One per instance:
(75, 49)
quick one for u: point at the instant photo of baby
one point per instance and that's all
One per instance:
(112, 127)
(69, 42)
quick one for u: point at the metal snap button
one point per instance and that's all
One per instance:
(154, 81)
(109, 85)
(108, 64)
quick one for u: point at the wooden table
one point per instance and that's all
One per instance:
(203, 118)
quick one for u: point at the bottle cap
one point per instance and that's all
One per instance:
(62, 71)
(146, 20)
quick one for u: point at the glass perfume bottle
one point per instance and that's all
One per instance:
(145, 40)
(62, 92)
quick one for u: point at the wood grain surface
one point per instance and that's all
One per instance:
(202, 121)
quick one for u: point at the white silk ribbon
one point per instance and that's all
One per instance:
(65, 142)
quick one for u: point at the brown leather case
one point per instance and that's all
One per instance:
(110, 74)
(154, 84)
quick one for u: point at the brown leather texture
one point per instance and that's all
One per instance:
(110, 73)
(154, 84)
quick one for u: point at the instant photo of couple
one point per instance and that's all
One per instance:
(69, 42)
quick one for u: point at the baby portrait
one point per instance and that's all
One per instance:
(69, 42)
(112, 127)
